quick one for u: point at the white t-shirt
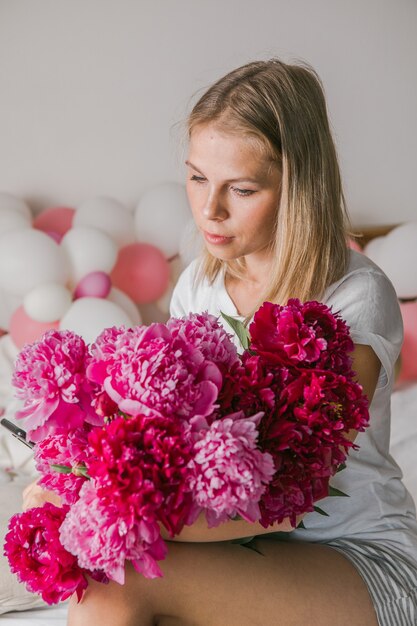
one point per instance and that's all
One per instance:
(378, 508)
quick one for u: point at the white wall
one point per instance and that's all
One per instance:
(90, 90)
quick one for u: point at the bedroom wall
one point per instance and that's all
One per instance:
(91, 90)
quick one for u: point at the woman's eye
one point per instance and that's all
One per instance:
(198, 179)
(243, 192)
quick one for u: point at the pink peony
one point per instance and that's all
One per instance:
(102, 536)
(37, 556)
(204, 331)
(229, 472)
(141, 464)
(69, 450)
(49, 377)
(302, 335)
(154, 373)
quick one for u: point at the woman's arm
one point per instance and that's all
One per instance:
(367, 366)
(232, 529)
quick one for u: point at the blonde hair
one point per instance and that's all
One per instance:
(283, 107)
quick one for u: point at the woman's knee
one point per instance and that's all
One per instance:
(112, 605)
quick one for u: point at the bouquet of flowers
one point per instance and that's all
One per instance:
(153, 426)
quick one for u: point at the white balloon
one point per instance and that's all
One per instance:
(88, 317)
(398, 259)
(123, 301)
(108, 215)
(191, 243)
(161, 216)
(88, 250)
(29, 258)
(8, 305)
(10, 219)
(48, 302)
(7, 201)
(373, 249)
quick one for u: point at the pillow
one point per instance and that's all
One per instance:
(13, 595)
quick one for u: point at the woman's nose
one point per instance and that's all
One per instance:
(214, 207)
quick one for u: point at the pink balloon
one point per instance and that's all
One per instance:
(23, 329)
(408, 369)
(354, 245)
(55, 236)
(93, 285)
(142, 272)
(56, 219)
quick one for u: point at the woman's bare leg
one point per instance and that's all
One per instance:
(218, 584)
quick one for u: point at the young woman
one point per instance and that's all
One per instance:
(265, 191)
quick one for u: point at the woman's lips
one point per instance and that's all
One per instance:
(216, 239)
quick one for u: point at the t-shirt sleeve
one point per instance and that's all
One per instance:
(368, 303)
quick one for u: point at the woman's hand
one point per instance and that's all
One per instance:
(34, 496)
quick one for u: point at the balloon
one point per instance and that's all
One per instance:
(56, 219)
(142, 272)
(10, 219)
(110, 216)
(88, 250)
(353, 244)
(88, 317)
(29, 258)
(7, 201)
(408, 369)
(8, 304)
(94, 284)
(24, 329)
(373, 249)
(161, 216)
(398, 259)
(48, 302)
(191, 243)
(125, 303)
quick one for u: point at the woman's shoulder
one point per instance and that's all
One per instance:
(362, 285)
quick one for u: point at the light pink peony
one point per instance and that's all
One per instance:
(49, 377)
(68, 450)
(229, 472)
(204, 331)
(102, 538)
(154, 373)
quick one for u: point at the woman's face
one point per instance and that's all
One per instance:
(234, 192)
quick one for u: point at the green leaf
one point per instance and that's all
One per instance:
(341, 467)
(336, 492)
(300, 525)
(320, 511)
(62, 469)
(239, 329)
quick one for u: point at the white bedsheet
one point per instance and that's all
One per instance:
(403, 448)
(51, 616)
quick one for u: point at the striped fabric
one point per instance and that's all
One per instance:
(390, 578)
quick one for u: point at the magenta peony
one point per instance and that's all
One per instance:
(303, 335)
(49, 377)
(37, 556)
(307, 437)
(141, 464)
(229, 472)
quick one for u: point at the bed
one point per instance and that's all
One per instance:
(403, 449)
